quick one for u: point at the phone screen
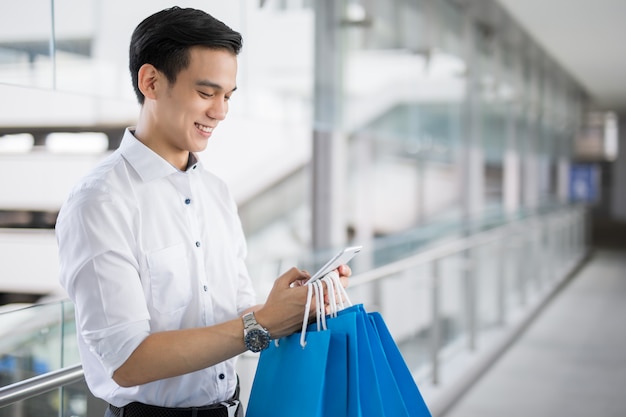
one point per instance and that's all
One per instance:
(339, 259)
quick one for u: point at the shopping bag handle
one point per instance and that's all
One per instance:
(337, 300)
(314, 288)
(338, 297)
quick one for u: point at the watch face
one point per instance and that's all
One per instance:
(257, 340)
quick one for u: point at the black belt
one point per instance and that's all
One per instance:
(146, 410)
(228, 408)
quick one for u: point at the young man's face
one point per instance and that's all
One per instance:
(187, 111)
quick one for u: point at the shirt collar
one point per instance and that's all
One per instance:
(148, 164)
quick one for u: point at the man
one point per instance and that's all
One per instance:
(150, 243)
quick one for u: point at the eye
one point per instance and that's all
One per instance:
(205, 94)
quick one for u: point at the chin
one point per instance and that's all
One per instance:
(199, 147)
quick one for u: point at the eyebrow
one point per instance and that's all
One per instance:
(211, 84)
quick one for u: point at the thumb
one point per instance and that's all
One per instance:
(292, 275)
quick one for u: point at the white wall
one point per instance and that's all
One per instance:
(29, 262)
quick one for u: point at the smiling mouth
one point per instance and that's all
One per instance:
(205, 129)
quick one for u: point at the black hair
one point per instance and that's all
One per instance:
(164, 38)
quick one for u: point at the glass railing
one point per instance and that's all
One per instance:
(36, 340)
(454, 306)
(451, 299)
(385, 249)
(442, 303)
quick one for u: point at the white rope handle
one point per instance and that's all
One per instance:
(342, 299)
(321, 309)
(305, 321)
(332, 295)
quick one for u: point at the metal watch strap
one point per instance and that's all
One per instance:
(249, 320)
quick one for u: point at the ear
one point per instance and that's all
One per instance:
(148, 80)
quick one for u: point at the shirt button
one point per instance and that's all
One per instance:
(206, 288)
(221, 376)
(197, 244)
(188, 201)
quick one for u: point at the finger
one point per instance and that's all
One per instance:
(301, 281)
(344, 270)
(344, 281)
(291, 277)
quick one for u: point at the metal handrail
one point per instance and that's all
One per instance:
(40, 384)
(443, 250)
(429, 255)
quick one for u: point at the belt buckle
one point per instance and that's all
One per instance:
(231, 406)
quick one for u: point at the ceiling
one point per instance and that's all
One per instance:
(586, 37)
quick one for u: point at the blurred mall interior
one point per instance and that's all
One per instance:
(475, 148)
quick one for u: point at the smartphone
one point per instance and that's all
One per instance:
(339, 259)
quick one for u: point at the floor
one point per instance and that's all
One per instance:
(571, 361)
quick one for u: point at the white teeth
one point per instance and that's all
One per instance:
(206, 129)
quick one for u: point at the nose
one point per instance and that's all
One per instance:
(218, 109)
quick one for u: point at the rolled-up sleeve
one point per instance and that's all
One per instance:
(100, 273)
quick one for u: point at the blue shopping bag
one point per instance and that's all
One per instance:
(379, 381)
(304, 374)
(363, 395)
(404, 381)
(352, 368)
(309, 381)
(372, 387)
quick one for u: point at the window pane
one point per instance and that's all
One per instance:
(25, 44)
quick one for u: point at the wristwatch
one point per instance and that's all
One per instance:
(255, 336)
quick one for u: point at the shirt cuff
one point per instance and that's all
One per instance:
(113, 346)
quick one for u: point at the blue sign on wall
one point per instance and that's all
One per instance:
(584, 183)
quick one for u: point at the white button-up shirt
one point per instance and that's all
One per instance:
(143, 248)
